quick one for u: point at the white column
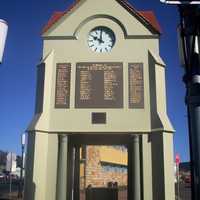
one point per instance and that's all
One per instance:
(135, 164)
(62, 168)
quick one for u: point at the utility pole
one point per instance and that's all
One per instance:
(23, 140)
(190, 50)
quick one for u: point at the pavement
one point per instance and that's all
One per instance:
(12, 196)
(4, 191)
(185, 194)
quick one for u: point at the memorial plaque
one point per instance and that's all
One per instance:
(136, 85)
(63, 76)
(99, 85)
(98, 118)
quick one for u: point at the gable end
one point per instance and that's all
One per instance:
(147, 18)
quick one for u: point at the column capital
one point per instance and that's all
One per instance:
(64, 138)
(135, 138)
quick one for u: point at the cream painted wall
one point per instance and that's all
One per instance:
(44, 170)
(147, 167)
(51, 171)
(73, 50)
(40, 165)
(169, 163)
(66, 42)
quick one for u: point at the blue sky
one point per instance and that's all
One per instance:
(26, 18)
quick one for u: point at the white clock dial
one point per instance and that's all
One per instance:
(101, 39)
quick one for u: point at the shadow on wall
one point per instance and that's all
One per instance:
(30, 187)
(157, 170)
(155, 119)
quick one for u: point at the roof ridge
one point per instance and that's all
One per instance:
(155, 25)
(147, 16)
(52, 20)
(151, 19)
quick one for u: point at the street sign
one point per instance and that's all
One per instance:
(11, 162)
(23, 139)
(180, 2)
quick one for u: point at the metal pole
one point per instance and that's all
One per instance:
(193, 103)
(20, 191)
(10, 176)
(190, 16)
(21, 174)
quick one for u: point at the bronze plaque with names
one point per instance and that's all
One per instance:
(136, 85)
(63, 76)
(99, 85)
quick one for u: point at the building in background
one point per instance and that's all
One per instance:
(11, 163)
(103, 164)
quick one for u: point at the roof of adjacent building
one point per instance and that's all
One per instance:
(148, 17)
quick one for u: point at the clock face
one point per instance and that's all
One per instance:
(101, 39)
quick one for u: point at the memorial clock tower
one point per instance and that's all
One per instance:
(101, 81)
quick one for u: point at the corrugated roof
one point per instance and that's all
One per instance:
(147, 17)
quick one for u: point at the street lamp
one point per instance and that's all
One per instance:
(176, 2)
(190, 51)
(3, 35)
(23, 141)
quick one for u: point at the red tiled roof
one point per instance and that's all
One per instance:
(57, 16)
(151, 18)
(147, 16)
(54, 18)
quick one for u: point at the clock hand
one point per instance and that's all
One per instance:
(95, 38)
(98, 39)
(101, 36)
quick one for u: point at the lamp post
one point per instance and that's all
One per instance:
(190, 35)
(3, 36)
(190, 51)
(23, 140)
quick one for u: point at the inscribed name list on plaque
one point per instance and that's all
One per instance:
(99, 85)
(136, 85)
(63, 76)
